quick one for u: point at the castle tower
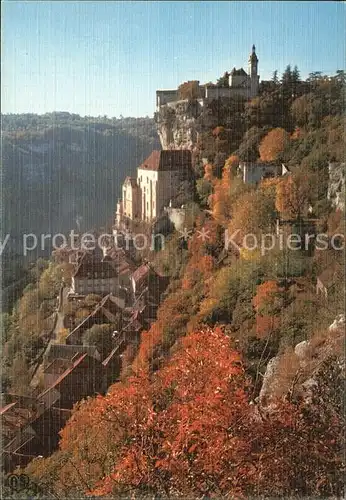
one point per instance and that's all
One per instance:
(253, 72)
(253, 62)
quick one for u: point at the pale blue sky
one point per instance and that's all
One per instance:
(108, 58)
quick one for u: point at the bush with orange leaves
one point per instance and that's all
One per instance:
(172, 318)
(266, 325)
(220, 200)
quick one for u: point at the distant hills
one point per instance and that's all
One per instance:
(61, 171)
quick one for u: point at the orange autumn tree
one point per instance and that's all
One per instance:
(231, 163)
(219, 201)
(172, 318)
(273, 144)
(149, 341)
(177, 309)
(253, 213)
(162, 435)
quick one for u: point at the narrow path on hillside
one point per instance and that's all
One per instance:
(59, 325)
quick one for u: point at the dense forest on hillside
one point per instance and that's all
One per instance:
(60, 166)
(236, 389)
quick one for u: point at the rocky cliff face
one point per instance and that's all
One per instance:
(177, 124)
(336, 185)
(180, 124)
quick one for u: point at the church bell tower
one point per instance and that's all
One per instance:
(253, 72)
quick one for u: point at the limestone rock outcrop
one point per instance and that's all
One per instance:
(178, 124)
(336, 185)
(301, 372)
(181, 123)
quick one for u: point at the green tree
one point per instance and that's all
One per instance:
(248, 149)
(295, 80)
(286, 78)
(204, 190)
(92, 299)
(5, 326)
(19, 374)
(223, 81)
(101, 336)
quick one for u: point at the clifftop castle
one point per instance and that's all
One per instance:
(235, 83)
(162, 175)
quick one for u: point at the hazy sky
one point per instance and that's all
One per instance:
(108, 58)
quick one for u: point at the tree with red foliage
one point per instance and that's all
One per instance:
(190, 431)
(199, 404)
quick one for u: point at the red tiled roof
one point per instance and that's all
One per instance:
(112, 354)
(120, 260)
(63, 375)
(168, 160)
(7, 407)
(66, 352)
(141, 273)
(109, 305)
(152, 162)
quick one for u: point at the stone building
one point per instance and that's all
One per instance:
(254, 172)
(240, 83)
(159, 179)
(94, 277)
(131, 200)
